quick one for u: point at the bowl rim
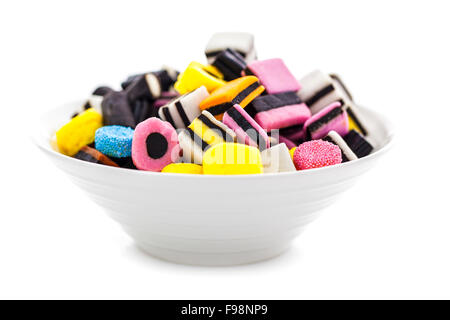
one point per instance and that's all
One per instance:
(37, 129)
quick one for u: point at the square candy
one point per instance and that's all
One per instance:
(181, 111)
(239, 41)
(319, 90)
(273, 75)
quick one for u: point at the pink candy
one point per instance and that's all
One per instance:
(316, 154)
(155, 145)
(274, 75)
(338, 123)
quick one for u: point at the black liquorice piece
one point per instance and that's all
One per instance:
(157, 145)
(360, 146)
(126, 162)
(166, 78)
(142, 110)
(90, 154)
(272, 101)
(230, 63)
(102, 91)
(146, 86)
(116, 110)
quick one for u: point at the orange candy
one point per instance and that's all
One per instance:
(239, 91)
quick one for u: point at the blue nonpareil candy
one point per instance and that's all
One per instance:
(114, 141)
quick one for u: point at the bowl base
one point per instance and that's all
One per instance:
(212, 259)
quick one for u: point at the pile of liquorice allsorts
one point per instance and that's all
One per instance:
(233, 115)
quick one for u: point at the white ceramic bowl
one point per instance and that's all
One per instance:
(211, 220)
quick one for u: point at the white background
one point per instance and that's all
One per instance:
(388, 237)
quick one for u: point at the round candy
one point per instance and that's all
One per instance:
(155, 145)
(232, 158)
(190, 168)
(114, 141)
(316, 154)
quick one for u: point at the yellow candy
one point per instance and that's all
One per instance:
(189, 168)
(197, 75)
(352, 125)
(218, 132)
(291, 152)
(79, 132)
(232, 158)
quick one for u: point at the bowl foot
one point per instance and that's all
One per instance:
(213, 259)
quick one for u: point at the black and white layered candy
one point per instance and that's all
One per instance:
(320, 90)
(241, 42)
(335, 138)
(181, 111)
(149, 85)
(230, 63)
(167, 76)
(358, 144)
(204, 132)
(95, 100)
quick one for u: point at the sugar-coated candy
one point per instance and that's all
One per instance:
(230, 63)
(78, 132)
(241, 42)
(197, 75)
(333, 117)
(316, 154)
(114, 141)
(273, 75)
(181, 111)
(189, 168)
(278, 111)
(155, 145)
(201, 134)
(239, 91)
(277, 159)
(116, 110)
(247, 130)
(91, 155)
(335, 138)
(319, 90)
(360, 146)
(232, 159)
